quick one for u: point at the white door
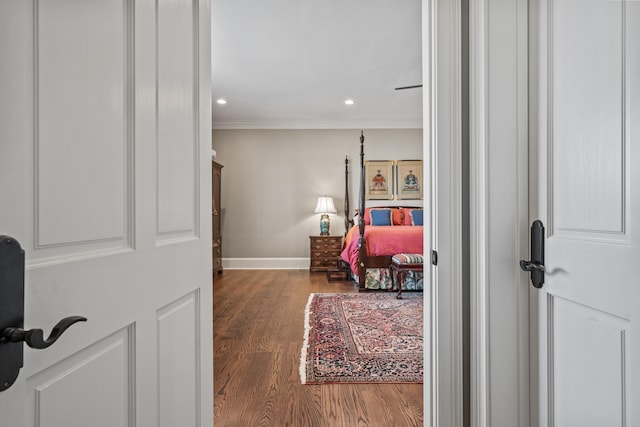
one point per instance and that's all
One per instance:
(105, 182)
(586, 129)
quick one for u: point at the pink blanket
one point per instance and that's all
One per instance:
(383, 240)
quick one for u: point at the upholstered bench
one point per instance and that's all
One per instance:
(401, 264)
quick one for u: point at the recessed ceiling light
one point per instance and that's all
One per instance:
(221, 101)
(349, 102)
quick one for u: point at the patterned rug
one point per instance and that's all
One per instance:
(362, 338)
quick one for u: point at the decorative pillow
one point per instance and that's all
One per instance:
(381, 217)
(406, 220)
(416, 216)
(367, 216)
(397, 216)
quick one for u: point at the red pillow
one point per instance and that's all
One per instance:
(397, 216)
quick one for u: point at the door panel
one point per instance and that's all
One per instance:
(92, 119)
(107, 363)
(586, 117)
(75, 114)
(178, 119)
(105, 153)
(179, 383)
(588, 347)
(586, 75)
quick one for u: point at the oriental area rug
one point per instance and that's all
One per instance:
(362, 338)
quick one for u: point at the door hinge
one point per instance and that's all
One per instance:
(434, 257)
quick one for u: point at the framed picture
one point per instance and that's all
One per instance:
(378, 179)
(409, 179)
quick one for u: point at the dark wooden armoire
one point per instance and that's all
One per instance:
(216, 188)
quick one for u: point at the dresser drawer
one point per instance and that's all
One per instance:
(318, 262)
(327, 245)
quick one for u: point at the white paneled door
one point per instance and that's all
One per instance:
(586, 57)
(105, 183)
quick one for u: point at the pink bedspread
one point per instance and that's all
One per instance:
(383, 240)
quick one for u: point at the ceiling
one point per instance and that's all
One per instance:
(284, 64)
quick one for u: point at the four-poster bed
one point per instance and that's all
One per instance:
(381, 232)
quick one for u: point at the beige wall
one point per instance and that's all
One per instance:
(271, 180)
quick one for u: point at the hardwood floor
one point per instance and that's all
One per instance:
(258, 323)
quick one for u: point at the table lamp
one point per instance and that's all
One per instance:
(324, 207)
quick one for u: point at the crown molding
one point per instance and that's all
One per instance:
(413, 123)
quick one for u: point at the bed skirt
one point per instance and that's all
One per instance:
(380, 278)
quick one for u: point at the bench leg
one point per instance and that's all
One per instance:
(402, 275)
(393, 272)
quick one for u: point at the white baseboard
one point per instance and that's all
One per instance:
(265, 263)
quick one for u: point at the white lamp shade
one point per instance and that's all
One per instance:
(325, 205)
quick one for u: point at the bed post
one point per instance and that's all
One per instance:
(348, 220)
(362, 244)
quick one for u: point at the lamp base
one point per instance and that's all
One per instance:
(324, 224)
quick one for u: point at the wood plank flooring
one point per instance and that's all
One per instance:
(258, 323)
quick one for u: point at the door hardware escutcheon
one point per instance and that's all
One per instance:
(12, 315)
(536, 265)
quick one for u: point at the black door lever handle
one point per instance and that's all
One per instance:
(536, 265)
(531, 265)
(35, 337)
(12, 315)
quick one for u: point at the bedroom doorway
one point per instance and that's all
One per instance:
(442, 127)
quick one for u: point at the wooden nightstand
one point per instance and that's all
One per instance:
(325, 251)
